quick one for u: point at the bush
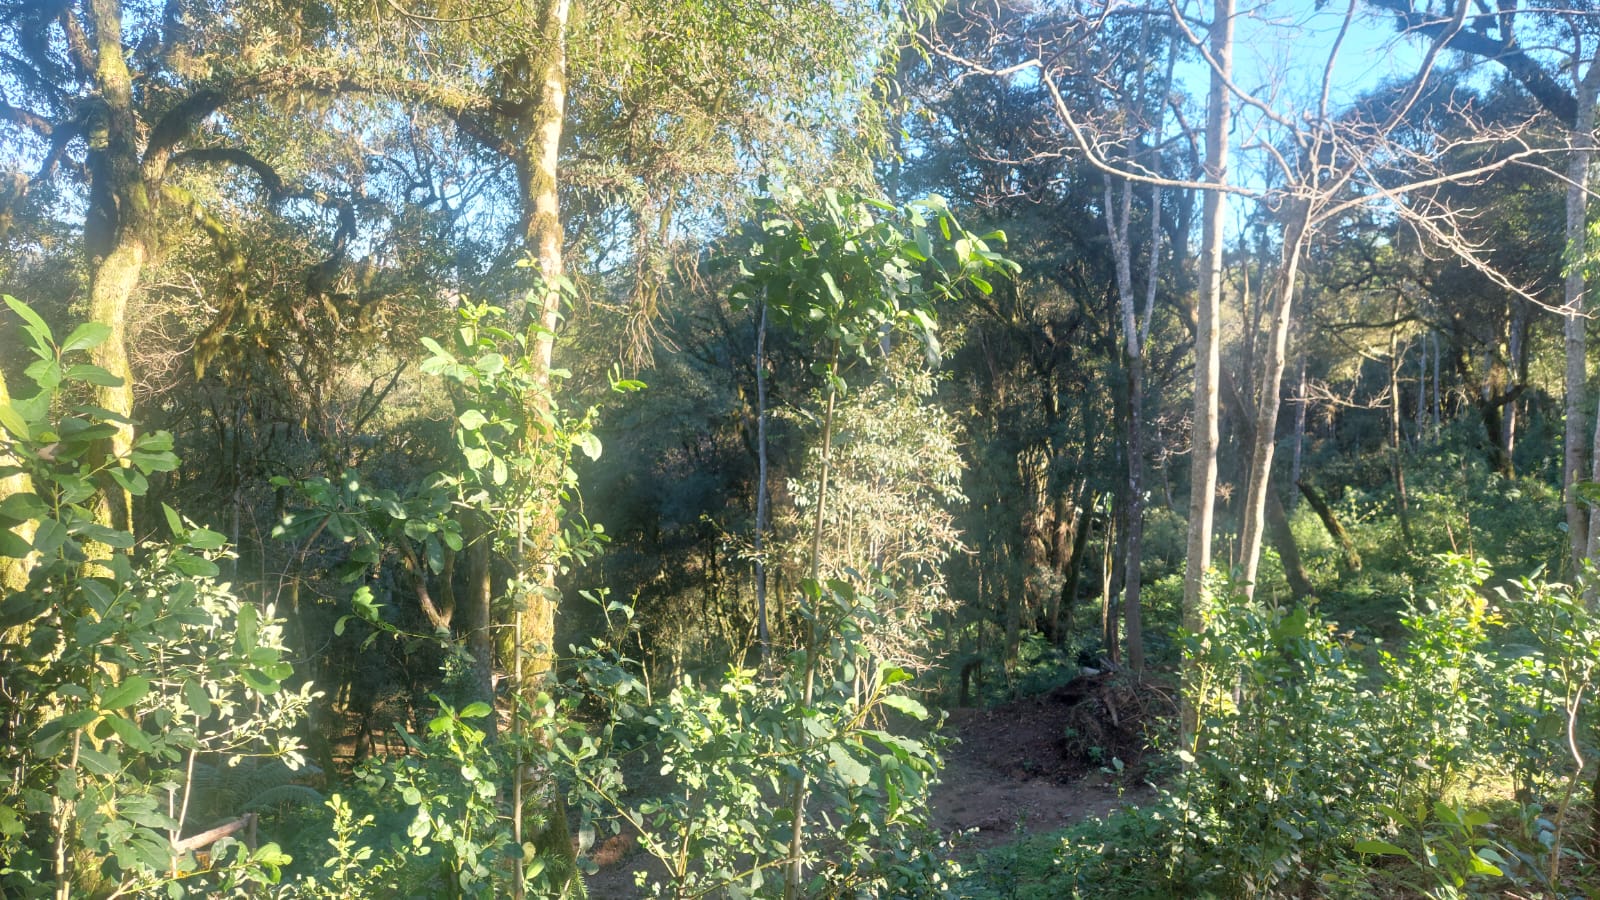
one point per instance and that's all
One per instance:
(127, 669)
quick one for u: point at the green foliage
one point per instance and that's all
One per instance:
(1311, 763)
(121, 672)
(846, 270)
(727, 752)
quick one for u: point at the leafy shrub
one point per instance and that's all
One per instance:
(126, 668)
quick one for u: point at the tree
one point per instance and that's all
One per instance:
(846, 273)
(1495, 36)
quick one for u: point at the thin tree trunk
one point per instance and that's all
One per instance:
(538, 170)
(794, 872)
(1294, 571)
(1108, 580)
(1439, 409)
(1422, 387)
(1299, 426)
(1517, 347)
(1269, 390)
(1574, 324)
(1402, 502)
(1203, 460)
(1347, 547)
(1117, 223)
(762, 636)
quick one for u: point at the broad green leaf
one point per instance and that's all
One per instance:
(10, 823)
(23, 507)
(260, 681)
(13, 546)
(246, 628)
(906, 705)
(131, 734)
(130, 480)
(111, 537)
(105, 764)
(848, 767)
(587, 442)
(196, 566)
(194, 694)
(206, 539)
(13, 422)
(174, 521)
(29, 316)
(92, 374)
(126, 694)
(476, 710)
(49, 536)
(86, 336)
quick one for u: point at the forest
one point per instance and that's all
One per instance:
(762, 448)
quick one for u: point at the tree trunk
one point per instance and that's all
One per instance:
(1269, 390)
(762, 636)
(1294, 571)
(1117, 223)
(1082, 525)
(535, 663)
(1574, 323)
(1299, 426)
(118, 231)
(1108, 581)
(1203, 460)
(1347, 548)
(13, 572)
(1402, 503)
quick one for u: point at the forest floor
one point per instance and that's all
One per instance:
(1033, 765)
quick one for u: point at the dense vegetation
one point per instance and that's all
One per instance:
(447, 445)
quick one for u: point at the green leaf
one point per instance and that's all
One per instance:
(1482, 866)
(195, 566)
(106, 764)
(49, 536)
(848, 767)
(194, 694)
(246, 628)
(132, 735)
(206, 539)
(472, 420)
(906, 705)
(13, 546)
(23, 507)
(126, 694)
(92, 374)
(10, 822)
(111, 537)
(260, 681)
(86, 336)
(587, 442)
(130, 480)
(29, 316)
(160, 461)
(13, 422)
(174, 521)
(477, 710)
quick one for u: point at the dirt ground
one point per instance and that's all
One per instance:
(1033, 765)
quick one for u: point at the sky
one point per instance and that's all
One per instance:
(1287, 42)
